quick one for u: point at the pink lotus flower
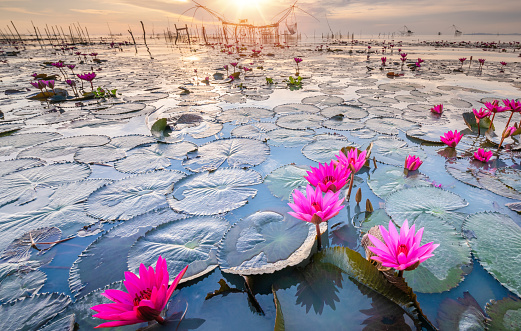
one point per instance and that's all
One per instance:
(352, 159)
(401, 251)
(481, 113)
(234, 64)
(384, 59)
(315, 208)
(451, 138)
(89, 77)
(512, 105)
(403, 54)
(494, 107)
(328, 177)
(503, 63)
(509, 131)
(481, 61)
(147, 296)
(412, 162)
(438, 109)
(482, 155)
(297, 59)
(462, 59)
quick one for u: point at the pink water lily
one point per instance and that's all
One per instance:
(384, 59)
(352, 159)
(480, 114)
(314, 207)
(400, 250)
(328, 177)
(146, 298)
(438, 109)
(482, 155)
(412, 162)
(451, 138)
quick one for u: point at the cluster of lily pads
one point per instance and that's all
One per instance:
(204, 179)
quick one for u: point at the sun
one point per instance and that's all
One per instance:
(245, 8)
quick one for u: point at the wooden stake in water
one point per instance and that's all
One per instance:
(145, 39)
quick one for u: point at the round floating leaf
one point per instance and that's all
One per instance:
(492, 183)
(377, 100)
(510, 177)
(192, 241)
(351, 112)
(504, 314)
(394, 151)
(121, 109)
(284, 180)
(265, 242)
(496, 240)
(113, 151)
(465, 170)
(323, 100)
(445, 270)
(367, 220)
(132, 196)
(386, 125)
(463, 313)
(296, 108)
(238, 152)
(289, 138)
(10, 144)
(20, 285)
(412, 202)
(343, 124)
(19, 164)
(32, 313)
(21, 185)
(244, 115)
(300, 121)
(64, 146)
(63, 324)
(155, 157)
(21, 248)
(325, 148)
(385, 181)
(105, 260)
(216, 192)
(254, 131)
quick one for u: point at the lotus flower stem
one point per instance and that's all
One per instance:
(491, 120)
(400, 273)
(319, 237)
(351, 180)
(508, 122)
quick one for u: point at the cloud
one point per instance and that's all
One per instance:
(96, 11)
(22, 11)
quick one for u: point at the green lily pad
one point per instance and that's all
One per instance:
(384, 181)
(133, 196)
(342, 123)
(282, 181)
(154, 157)
(211, 193)
(461, 314)
(63, 324)
(266, 242)
(19, 164)
(244, 115)
(21, 285)
(21, 186)
(289, 138)
(504, 314)
(238, 152)
(366, 220)
(412, 202)
(394, 151)
(192, 241)
(254, 131)
(64, 146)
(389, 125)
(105, 260)
(33, 312)
(300, 121)
(496, 240)
(324, 148)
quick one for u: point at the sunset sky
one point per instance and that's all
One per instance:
(358, 16)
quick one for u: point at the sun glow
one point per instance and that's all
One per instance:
(244, 9)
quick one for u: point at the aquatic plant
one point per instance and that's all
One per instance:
(479, 114)
(89, 77)
(72, 84)
(401, 251)
(234, 64)
(494, 107)
(40, 84)
(513, 106)
(315, 208)
(451, 138)
(438, 109)
(412, 162)
(297, 61)
(354, 160)
(384, 59)
(482, 155)
(507, 132)
(462, 60)
(481, 63)
(328, 177)
(146, 298)
(294, 83)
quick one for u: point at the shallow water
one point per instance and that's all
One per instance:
(308, 293)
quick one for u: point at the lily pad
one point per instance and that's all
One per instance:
(384, 181)
(211, 193)
(113, 151)
(192, 241)
(105, 260)
(391, 126)
(300, 121)
(342, 123)
(350, 112)
(64, 146)
(394, 151)
(412, 202)
(289, 138)
(21, 285)
(282, 181)
(323, 100)
(31, 242)
(19, 164)
(133, 196)
(63, 324)
(504, 314)
(495, 241)
(244, 115)
(324, 148)
(154, 157)
(20, 186)
(254, 131)
(33, 312)
(265, 242)
(238, 152)
(463, 313)
(296, 108)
